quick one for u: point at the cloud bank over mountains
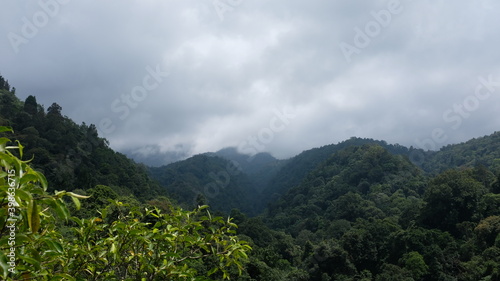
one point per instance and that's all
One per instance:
(188, 77)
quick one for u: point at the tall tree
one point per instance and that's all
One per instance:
(30, 105)
(55, 109)
(4, 84)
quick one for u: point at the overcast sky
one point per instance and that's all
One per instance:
(282, 76)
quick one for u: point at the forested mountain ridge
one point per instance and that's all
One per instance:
(355, 171)
(362, 210)
(248, 164)
(367, 214)
(72, 156)
(266, 179)
(260, 168)
(477, 151)
(299, 166)
(207, 178)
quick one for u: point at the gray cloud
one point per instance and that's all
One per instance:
(228, 77)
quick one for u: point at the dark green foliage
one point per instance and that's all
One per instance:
(451, 198)
(30, 105)
(224, 180)
(391, 272)
(479, 151)
(414, 262)
(4, 84)
(122, 243)
(9, 106)
(260, 169)
(351, 184)
(296, 168)
(367, 214)
(208, 178)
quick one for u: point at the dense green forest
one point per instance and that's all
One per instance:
(361, 209)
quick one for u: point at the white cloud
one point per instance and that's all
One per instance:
(226, 77)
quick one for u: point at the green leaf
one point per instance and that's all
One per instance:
(78, 221)
(54, 245)
(33, 216)
(6, 129)
(35, 254)
(3, 141)
(7, 158)
(21, 148)
(65, 276)
(4, 265)
(78, 205)
(43, 181)
(212, 271)
(31, 261)
(77, 195)
(23, 195)
(61, 209)
(27, 178)
(113, 249)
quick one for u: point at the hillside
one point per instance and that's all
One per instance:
(260, 168)
(367, 214)
(478, 151)
(367, 170)
(299, 166)
(268, 179)
(207, 179)
(72, 156)
(225, 180)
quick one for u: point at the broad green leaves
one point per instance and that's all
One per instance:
(156, 246)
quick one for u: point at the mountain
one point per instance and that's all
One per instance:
(248, 164)
(365, 213)
(296, 168)
(477, 151)
(207, 178)
(260, 168)
(354, 171)
(263, 179)
(225, 179)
